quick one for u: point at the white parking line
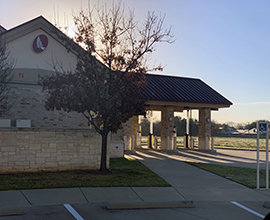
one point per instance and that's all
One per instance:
(247, 209)
(73, 212)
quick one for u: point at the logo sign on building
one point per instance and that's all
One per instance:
(40, 43)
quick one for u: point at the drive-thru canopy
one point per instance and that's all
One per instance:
(170, 94)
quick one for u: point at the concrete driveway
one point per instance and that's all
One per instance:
(238, 158)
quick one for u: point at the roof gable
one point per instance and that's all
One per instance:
(2, 29)
(32, 25)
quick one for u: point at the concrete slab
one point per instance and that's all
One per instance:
(158, 194)
(150, 205)
(180, 174)
(264, 192)
(220, 194)
(195, 184)
(108, 194)
(54, 196)
(256, 206)
(266, 204)
(196, 179)
(223, 211)
(44, 213)
(11, 212)
(239, 158)
(94, 211)
(13, 198)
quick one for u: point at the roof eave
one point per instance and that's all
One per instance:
(180, 106)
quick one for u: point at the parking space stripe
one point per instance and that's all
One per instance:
(73, 212)
(247, 209)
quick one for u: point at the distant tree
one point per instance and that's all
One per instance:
(215, 128)
(6, 66)
(180, 125)
(231, 125)
(145, 125)
(240, 126)
(157, 128)
(107, 91)
(194, 127)
(251, 125)
(179, 122)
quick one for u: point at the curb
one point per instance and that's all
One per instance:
(10, 212)
(266, 204)
(150, 205)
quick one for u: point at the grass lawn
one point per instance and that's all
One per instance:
(240, 143)
(123, 172)
(244, 176)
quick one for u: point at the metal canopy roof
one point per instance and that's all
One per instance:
(182, 90)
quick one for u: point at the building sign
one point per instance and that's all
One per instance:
(262, 128)
(40, 43)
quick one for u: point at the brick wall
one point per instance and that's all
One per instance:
(28, 103)
(30, 150)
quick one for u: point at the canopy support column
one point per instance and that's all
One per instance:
(204, 128)
(167, 123)
(135, 131)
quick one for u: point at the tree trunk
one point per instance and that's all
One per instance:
(103, 163)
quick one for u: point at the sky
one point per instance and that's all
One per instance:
(225, 43)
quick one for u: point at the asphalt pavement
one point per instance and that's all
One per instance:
(194, 194)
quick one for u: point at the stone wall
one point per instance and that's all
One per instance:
(132, 128)
(204, 128)
(167, 123)
(116, 149)
(30, 150)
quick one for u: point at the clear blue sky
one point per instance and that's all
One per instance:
(226, 43)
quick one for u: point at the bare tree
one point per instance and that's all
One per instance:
(105, 86)
(117, 40)
(6, 66)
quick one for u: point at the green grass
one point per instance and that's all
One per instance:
(244, 176)
(240, 143)
(123, 172)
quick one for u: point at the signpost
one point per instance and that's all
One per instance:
(262, 128)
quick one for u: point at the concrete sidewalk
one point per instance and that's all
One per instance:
(37, 197)
(228, 157)
(196, 184)
(188, 184)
